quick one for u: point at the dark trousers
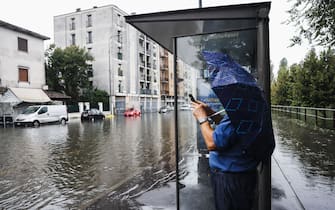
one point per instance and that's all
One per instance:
(234, 191)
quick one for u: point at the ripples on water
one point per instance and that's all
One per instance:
(62, 167)
(307, 155)
(56, 166)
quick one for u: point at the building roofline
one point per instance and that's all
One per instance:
(22, 30)
(93, 8)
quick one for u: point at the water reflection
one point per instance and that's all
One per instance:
(306, 155)
(62, 167)
(57, 166)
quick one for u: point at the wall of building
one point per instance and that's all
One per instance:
(132, 88)
(11, 59)
(102, 40)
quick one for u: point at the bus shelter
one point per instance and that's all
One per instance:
(242, 32)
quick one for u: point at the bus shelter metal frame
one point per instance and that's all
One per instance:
(166, 27)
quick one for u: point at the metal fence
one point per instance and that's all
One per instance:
(325, 116)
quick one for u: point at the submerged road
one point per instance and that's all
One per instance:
(128, 160)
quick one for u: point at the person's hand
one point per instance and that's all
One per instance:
(199, 109)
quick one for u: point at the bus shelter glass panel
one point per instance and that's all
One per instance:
(193, 73)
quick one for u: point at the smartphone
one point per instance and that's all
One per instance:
(192, 98)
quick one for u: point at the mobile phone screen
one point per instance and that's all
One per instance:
(191, 97)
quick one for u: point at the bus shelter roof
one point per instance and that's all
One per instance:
(163, 26)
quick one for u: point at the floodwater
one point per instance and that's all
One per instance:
(306, 156)
(71, 166)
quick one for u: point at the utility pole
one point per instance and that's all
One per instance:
(200, 3)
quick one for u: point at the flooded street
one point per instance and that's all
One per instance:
(70, 166)
(66, 166)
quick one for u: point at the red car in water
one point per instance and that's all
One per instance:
(132, 112)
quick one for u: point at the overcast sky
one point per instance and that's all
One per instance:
(37, 16)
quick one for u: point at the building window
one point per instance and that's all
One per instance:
(89, 39)
(90, 70)
(89, 50)
(119, 36)
(89, 21)
(119, 22)
(120, 72)
(22, 44)
(72, 24)
(23, 75)
(73, 39)
(119, 53)
(120, 86)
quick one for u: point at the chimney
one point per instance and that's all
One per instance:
(95, 7)
(78, 10)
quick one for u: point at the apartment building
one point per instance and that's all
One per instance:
(167, 79)
(125, 61)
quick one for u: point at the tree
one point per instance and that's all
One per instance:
(94, 96)
(326, 80)
(281, 94)
(310, 88)
(297, 90)
(66, 69)
(315, 21)
(52, 74)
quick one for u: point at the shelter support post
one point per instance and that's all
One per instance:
(175, 88)
(263, 66)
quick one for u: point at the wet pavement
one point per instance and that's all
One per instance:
(128, 163)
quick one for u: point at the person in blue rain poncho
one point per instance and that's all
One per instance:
(241, 139)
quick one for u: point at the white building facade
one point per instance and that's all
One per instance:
(21, 57)
(116, 48)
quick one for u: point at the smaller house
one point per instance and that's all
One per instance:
(22, 73)
(57, 97)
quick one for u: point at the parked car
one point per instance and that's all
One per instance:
(36, 115)
(92, 114)
(163, 109)
(132, 112)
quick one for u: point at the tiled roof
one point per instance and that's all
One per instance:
(22, 30)
(56, 95)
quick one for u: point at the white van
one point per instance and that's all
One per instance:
(36, 115)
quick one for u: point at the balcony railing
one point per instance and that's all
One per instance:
(145, 91)
(164, 92)
(164, 67)
(142, 77)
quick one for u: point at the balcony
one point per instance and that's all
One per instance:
(164, 92)
(145, 91)
(164, 67)
(142, 77)
(164, 79)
